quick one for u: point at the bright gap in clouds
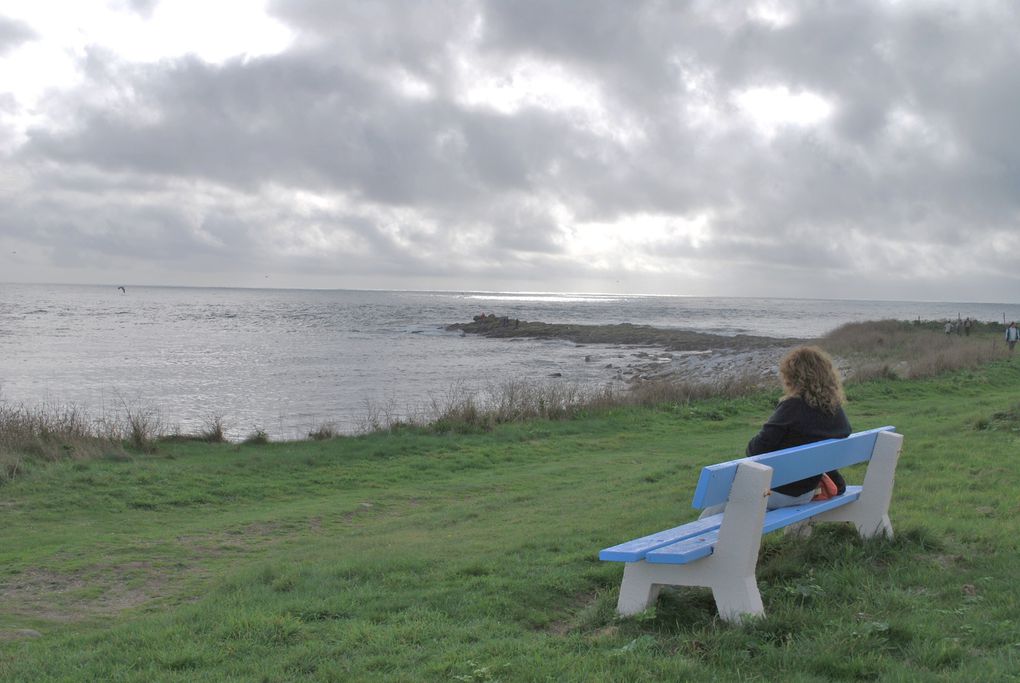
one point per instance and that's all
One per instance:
(771, 14)
(641, 242)
(66, 31)
(529, 83)
(772, 108)
(214, 31)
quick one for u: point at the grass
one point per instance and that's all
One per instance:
(415, 554)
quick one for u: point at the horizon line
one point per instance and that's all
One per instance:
(496, 291)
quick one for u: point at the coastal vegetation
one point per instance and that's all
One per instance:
(413, 554)
(894, 348)
(869, 350)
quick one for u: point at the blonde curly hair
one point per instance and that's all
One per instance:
(809, 373)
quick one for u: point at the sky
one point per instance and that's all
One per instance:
(823, 149)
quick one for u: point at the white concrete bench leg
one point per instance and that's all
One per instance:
(736, 595)
(640, 587)
(870, 512)
(729, 571)
(738, 598)
(734, 585)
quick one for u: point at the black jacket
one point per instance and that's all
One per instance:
(795, 423)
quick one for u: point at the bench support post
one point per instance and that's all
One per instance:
(870, 512)
(729, 571)
(640, 586)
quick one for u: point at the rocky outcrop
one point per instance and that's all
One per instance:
(634, 354)
(491, 325)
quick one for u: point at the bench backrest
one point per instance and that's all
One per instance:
(790, 464)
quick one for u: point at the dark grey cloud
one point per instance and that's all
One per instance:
(369, 110)
(13, 33)
(292, 121)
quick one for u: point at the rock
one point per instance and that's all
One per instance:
(556, 374)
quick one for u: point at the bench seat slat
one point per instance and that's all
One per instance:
(635, 550)
(695, 548)
(685, 551)
(784, 517)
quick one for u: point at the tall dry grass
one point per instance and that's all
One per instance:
(911, 350)
(463, 410)
(51, 433)
(680, 392)
(30, 435)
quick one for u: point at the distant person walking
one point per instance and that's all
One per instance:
(1012, 336)
(949, 327)
(966, 327)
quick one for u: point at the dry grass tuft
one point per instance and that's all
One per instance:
(50, 434)
(257, 437)
(143, 427)
(675, 392)
(215, 431)
(324, 432)
(460, 410)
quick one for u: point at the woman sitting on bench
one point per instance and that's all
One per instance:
(811, 410)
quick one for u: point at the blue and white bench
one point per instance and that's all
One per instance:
(720, 551)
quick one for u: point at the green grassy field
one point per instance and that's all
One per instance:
(418, 557)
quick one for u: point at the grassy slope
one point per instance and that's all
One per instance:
(418, 557)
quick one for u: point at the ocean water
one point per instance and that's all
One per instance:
(289, 361)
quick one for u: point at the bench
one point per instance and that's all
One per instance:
(720, 551)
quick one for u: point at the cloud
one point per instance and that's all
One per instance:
(865, 145)
(14, 33)
(144, 8)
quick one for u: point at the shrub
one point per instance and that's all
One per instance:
(258, 437)
(144, 427)
(214, 431)
(324, 432)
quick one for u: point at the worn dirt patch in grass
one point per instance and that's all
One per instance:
(65, 597)
(239, 540)
(578, 605)
(18, 634)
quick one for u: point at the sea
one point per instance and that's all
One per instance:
(287, 362)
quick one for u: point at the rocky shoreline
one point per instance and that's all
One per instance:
(708, 366)
(639, 353)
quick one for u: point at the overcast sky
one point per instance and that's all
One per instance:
(812, 149)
